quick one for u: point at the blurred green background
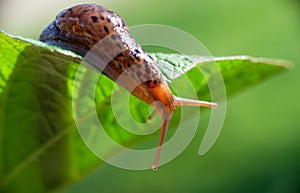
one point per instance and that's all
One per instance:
(259, 147)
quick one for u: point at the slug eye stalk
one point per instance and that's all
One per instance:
(166, 114)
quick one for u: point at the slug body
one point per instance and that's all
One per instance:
(91, 28)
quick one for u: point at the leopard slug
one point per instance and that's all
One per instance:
(81, 27)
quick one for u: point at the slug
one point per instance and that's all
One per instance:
(79, 28)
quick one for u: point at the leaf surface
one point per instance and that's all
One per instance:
(40, 148)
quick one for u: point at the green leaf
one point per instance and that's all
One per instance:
(40, 148)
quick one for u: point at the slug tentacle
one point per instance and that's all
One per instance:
(189, 102)
(163, 131)
(165, 104)
(87, 26)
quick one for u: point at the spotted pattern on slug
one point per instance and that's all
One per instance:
(83, 26)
